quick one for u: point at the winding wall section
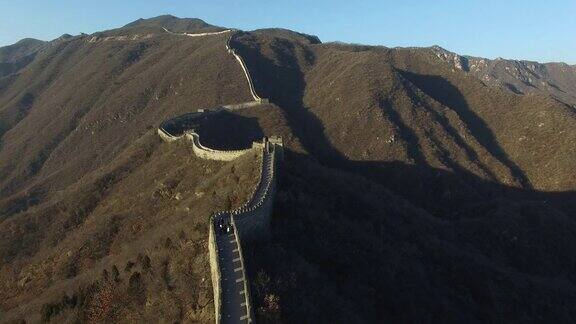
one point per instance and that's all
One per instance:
(232, 300)
(245, 69)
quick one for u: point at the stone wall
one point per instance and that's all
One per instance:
(210, 154)
(214, 269)
(167, 137)
(198, 34)
(246, 72)
(243, 105)
(253, 219)
(257, 99)
(202, 151)
(250, 221)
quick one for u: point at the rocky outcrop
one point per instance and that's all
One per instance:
(520, 77)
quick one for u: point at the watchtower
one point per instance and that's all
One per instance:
(279, 146)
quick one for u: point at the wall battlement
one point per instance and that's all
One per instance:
(199, 34)
(247, 222)
(232, 302)
(240, 60)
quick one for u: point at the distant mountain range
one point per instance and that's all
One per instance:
(520, 77)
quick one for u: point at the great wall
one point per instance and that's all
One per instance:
(232, 302)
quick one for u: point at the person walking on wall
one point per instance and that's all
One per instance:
(221, 225)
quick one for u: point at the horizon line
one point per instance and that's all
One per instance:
(566, 62)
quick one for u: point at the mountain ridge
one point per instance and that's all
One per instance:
(519, 76)
(178, 24)
(411, 190)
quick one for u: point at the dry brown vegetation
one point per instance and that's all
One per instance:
(100, 220)
(411, 191)
(138, 253)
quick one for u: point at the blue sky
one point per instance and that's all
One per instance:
(535, 30)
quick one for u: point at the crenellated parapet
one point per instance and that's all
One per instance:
(200, 150)
(240, 60)
(231, 50)
(210, 154)
(227, 229)
(246, 223)
(249, 222)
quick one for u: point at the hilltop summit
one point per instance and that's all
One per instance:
(175, 24)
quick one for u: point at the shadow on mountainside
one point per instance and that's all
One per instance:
(445, 93)
(452, 133)
(406, 133)
(229, 131)
(222, 130)
(443, 193)
(365, 254)
(282, 82)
